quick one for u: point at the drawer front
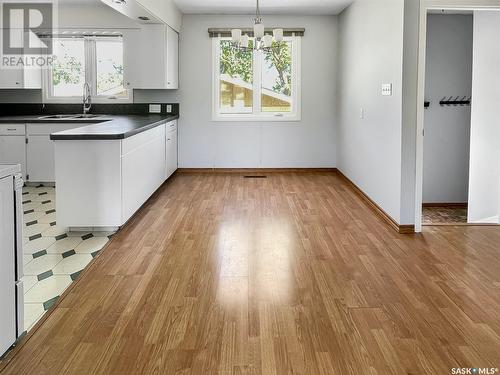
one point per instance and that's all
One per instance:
(172, 125)
(46, 129)
(139, 140)
(12, 129)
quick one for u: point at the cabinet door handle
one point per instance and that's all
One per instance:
(11, 130)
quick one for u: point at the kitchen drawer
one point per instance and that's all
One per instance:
(172, 125)
(141, 139)
(12, 129)
(46, 129)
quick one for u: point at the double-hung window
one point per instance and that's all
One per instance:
(256, 85)
(96, 60)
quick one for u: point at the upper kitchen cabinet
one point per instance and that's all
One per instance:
(29, 78)
(172, 59)
(149, 11)
(151, 57)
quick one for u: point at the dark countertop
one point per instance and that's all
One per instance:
(101, 128)
(38, 119)
(117, 127)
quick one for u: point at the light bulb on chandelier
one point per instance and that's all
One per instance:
(262, 41)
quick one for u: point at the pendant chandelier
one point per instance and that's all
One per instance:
(262, 41)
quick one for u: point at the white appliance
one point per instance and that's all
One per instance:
(11, 256)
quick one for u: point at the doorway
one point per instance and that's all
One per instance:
(482, 198)
(448, 91)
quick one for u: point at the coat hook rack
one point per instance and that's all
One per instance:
(455, 101)
(427, 104)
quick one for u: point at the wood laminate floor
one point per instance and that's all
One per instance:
(288, 274)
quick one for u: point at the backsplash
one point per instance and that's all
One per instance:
(14, 109)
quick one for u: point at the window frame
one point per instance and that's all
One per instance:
(257, 115)
(90, 76)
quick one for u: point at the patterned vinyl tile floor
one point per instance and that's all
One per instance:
(444, 215)
(53, 257)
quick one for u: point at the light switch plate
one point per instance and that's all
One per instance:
(387, 89)
(169, 108)
(155, 108)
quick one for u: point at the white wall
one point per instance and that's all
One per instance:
(484, 177)
(370, 54)
(206, 144)
(447, 129)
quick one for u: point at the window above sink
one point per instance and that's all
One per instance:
(96, 60)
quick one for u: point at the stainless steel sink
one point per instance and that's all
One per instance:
(70, 117)
(87, 115)
(56, 117)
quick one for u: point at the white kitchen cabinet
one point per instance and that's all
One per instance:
(111, 178)
(172, 59)
(143, 166)
(171, 147)
(13, 145)
(132, 61)
(40, 150)
(40, 158)
(29, 78)
(159, 61)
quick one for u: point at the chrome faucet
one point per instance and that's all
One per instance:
(87, 98)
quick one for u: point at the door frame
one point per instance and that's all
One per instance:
(425, 6)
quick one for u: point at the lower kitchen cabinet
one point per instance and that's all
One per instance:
(13, 151)
(172, 148)
(114, 178)
(13, 145)
(40, 159)
(40, 150)
(30, 146)
(143, 168)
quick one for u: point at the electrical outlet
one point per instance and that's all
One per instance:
(387, 89)
(155, 108)
(169, 108)
(362, 113)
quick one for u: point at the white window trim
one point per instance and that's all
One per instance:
(294, 116)
(90, 76)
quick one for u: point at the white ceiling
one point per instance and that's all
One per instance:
(267, 6)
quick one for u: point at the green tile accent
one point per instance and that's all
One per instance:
(44, 193)
(94, 254)
(32, 223)
(68, 253)
(61, 237)
(38, 254)
(36, 236)
(29, 212)
(48, 304)
(75, 275)
(50, 211)
(28, 201)
(45, 202)
(45, 275)
(87, 236)
(53, 224)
